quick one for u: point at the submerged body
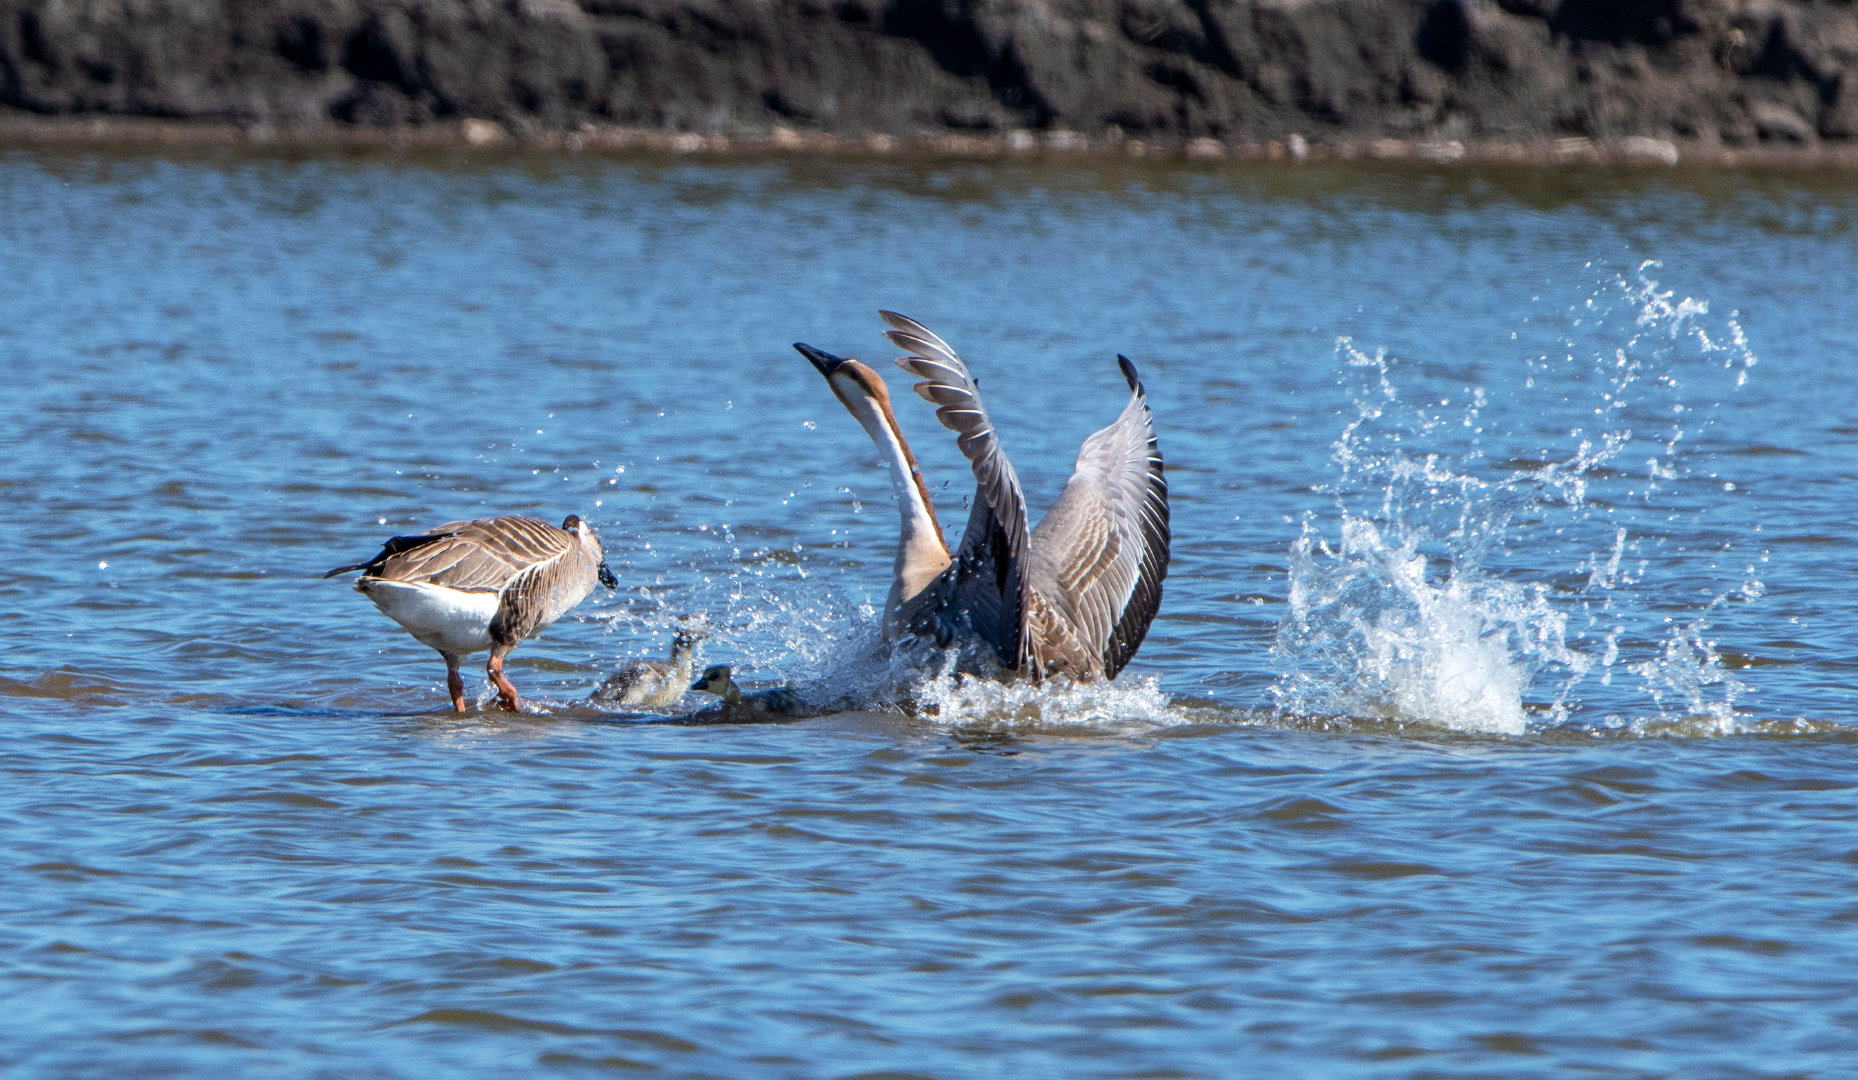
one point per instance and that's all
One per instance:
(488, 583)
(719, 679)
(1074, 596)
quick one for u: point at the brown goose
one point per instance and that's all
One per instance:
(1076, 595)
(468, 586)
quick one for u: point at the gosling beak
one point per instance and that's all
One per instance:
(698, 685)
(607, 578)
(823, 360)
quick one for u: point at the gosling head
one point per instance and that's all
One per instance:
(716, 679)
(689, 631)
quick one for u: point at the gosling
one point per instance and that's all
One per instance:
(654, 684)
(778, 701)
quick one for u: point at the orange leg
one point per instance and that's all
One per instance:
(506, 693)
(454, 682)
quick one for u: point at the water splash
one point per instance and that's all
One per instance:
(1422, 609)
(821, 638)
(1372, 633)
(867, 674)
(1131, 706)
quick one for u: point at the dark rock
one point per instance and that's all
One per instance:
(1255, 70)
(1774, 120)
(1838, 119)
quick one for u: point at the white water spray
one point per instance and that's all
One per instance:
(1422, 609)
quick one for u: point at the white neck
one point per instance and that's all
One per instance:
(921, 552)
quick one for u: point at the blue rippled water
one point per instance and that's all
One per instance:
(1497, 721)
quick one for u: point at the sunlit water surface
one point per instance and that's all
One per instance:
(1498, 720)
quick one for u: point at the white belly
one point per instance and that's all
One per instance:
(449, 620)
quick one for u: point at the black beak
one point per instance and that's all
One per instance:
(824, 361)
(607, 578)
(698, 685)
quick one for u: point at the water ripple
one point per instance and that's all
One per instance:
(247, 836)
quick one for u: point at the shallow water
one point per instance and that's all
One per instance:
(1497, 720)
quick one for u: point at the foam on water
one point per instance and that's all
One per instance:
(1129, 706)
(865, 674)
(1485, 580)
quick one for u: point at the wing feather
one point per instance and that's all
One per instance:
(523, 607)
(479, 555)
(985, 586)
(1100, 555)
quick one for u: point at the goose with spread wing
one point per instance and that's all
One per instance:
(1074, 596)
(490, 583)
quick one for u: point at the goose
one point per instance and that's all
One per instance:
(654, 684)
(1072, 597)
(488, 583)
(718, 679)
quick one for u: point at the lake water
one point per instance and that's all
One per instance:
(1498, 720)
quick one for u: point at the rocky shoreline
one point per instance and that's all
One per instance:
(1528, 81)
(487, 138)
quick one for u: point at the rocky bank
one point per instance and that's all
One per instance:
(1731, 73)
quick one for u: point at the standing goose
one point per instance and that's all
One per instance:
(1073, 597)
(490, 583)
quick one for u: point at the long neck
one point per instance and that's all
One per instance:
(922, 554)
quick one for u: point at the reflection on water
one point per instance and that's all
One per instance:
(1453, 455)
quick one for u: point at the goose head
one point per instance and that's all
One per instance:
(864, 395)
(922, 554)
(866, 398)
(590, 541)
(860, 389)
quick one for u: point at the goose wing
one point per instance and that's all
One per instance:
(1100, 555)
(530, 601)
(985, 585)
(480, 555)
(395, 545)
